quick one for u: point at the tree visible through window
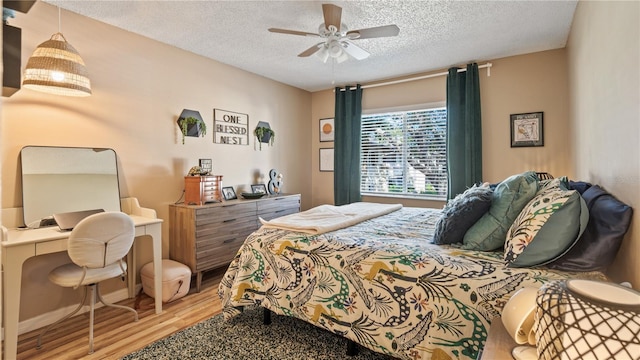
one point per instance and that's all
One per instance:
(404, 153)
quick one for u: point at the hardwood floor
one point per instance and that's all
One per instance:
(115, 332)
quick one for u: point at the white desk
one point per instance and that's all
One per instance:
(19, 245)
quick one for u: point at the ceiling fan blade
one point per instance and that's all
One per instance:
(374, 32)
(355, 51)
(312, 50)
(332, 15)
(292, 32)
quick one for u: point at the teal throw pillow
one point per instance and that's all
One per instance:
(508, 199)
(550, 224)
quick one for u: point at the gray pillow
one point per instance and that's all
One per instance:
(460, 213)
(509, 198)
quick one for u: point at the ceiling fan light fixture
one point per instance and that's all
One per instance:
(335, 49)
(342, 57)
(337, 37)
(323, 54)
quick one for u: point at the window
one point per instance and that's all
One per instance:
(404, 153)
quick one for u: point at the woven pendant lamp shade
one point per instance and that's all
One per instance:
(57, 68)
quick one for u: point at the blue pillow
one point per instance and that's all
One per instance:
(609, 220)
(508, 199)
(460, 213)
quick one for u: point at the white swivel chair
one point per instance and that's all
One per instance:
(96, 246)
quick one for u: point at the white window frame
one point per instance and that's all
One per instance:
(403, 193)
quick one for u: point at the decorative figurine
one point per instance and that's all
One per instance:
(275, 182)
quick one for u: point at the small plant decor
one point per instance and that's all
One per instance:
(184, 126)
(263, 134)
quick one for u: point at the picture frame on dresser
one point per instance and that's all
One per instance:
(259, 189)
(206, 166)
(228, 193)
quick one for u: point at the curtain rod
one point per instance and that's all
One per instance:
(487, 66)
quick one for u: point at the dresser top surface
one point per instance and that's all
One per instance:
(235, 201)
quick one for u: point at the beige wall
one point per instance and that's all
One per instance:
(518, 84)
(140, 87)
(604, 81)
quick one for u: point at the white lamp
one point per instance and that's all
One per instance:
(518, 319)
(586, 319)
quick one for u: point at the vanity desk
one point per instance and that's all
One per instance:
(58, 180)
(18, 245)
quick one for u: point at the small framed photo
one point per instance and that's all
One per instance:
(326, 130)
(258, 189)
(228, 193)
(205, 166)
(526, 130)
(326, 159)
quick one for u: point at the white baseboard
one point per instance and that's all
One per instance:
(45, 319)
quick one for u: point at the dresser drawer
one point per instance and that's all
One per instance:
(219, 232)
(276, 207)
(224, 214)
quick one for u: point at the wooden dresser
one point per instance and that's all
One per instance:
(206, 237)
(199, 190)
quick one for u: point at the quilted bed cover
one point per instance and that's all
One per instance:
(381, 283)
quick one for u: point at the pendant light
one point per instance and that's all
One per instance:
(57, 68)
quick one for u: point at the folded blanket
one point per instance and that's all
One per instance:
(325, 218)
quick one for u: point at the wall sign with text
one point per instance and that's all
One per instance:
(230, 127)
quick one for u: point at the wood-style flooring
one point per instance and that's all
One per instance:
(115, 332)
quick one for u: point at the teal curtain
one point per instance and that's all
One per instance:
(346, 161)
(464, 130)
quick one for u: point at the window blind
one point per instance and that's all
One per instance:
(404, 153)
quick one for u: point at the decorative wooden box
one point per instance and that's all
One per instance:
(199, 190)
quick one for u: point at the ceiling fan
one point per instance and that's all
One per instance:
(337, 43)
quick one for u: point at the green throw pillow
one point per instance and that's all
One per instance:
(547, 227)
(509, 198)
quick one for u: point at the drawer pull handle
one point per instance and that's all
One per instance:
(229, 205)
(228, 221)
(229, 241)
(279, 211)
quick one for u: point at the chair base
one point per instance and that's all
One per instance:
(95, 292)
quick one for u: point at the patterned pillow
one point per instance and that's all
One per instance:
(548, 226)
(460, 213)
(508, 199)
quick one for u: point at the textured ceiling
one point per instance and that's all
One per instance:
(433, 34)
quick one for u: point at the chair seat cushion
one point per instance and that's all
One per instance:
(69, 275)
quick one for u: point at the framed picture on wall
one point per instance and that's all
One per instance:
(326, 130)
(526, 130)
(326, 159)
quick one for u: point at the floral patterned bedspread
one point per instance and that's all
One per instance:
(381, 283)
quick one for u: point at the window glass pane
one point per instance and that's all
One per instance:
(404, 153)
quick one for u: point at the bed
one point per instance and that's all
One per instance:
(381, 283)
